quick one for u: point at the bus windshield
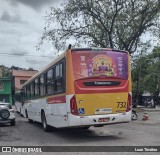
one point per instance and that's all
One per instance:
(95, 63)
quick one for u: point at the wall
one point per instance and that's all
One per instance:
(6, 93)
(17, 81)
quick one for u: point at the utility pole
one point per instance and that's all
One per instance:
(156, 97)
(138, 80)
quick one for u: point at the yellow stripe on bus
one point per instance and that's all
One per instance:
(91, 103)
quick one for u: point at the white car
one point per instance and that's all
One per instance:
(7, 114)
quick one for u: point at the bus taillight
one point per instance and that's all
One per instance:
(73, 105)
(129, 103)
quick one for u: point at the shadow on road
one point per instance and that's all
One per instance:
(5, 125)
(81, 135)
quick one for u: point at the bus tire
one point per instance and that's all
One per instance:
(20, 113)
(26, 113)
(30, 120)
(44, 122)
(86, 128)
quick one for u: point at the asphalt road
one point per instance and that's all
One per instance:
(135, 133)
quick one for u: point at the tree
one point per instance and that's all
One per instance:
(145, 69)
(5, 71)
(101, 23)
(152, 79)
(30, 69)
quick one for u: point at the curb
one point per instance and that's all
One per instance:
(150, 110)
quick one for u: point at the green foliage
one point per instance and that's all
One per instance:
(101, 23)
(5, 71)
(152, 78)
(147, 68)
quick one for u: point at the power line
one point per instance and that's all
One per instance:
(25, 55)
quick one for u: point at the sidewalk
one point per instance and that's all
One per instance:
(153, 115)
(148, 109)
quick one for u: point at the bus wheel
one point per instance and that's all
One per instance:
(26, 113)
(30, 120)
(20, 112)
(87, 127)
(44, 122)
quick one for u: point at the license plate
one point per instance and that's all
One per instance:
(103, 111)
(104, 119)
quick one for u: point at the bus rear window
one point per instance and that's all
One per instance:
(97, 63)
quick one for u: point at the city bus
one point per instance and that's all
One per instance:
(83, 87)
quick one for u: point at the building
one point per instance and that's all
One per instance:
(6, 89)
(148, 96)
(0, 71)
(21, 76)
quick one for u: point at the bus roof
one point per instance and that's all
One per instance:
(97, 49)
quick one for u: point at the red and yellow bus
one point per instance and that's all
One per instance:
(83, 87)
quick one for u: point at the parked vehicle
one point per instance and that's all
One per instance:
(7, 114)
(149, 104)
(134, 115)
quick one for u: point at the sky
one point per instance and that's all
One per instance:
(22, 24)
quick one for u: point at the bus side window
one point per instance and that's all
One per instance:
(22, 95)
(36, 87)
(50, 81)
(32, 89)
(59, 82)
(42, 85)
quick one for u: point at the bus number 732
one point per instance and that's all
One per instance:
(121, 104)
